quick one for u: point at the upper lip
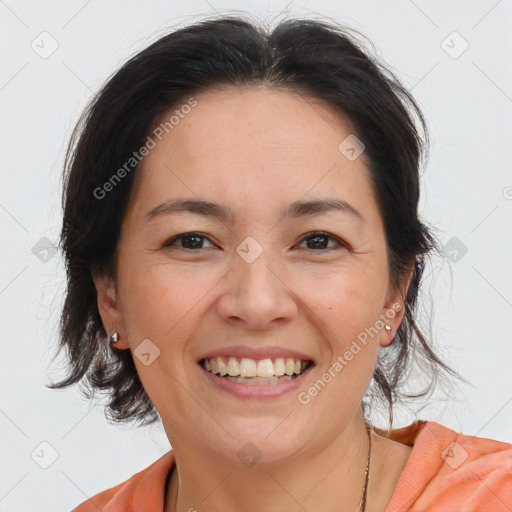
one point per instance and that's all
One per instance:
(257, 353)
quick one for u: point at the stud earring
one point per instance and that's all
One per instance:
(115, 337)
(388, 328)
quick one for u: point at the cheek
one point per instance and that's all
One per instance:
(345, 301)
(159, 301)
(344, 309)
(162, 305)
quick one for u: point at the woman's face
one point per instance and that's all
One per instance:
(256, 283)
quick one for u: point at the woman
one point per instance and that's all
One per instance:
(244, 255)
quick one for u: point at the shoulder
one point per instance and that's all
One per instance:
(146, 488)
(453, 471)
(477, 455)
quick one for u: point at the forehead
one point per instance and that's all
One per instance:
(251, 142)
(252, 117)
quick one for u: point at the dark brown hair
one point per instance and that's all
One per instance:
(316, 58)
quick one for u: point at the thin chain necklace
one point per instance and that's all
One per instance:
(362, 503)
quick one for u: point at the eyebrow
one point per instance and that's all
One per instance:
(296, 209)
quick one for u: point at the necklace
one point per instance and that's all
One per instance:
(362, 503)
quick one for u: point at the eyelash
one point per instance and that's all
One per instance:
(312, 234)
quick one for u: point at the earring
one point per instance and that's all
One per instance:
(115, 337)
(388, 328)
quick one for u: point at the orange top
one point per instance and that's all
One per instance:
(446, 472)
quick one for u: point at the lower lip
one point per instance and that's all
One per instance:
(255, 390)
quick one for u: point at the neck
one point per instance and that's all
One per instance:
(325, 478)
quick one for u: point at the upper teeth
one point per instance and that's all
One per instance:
(246, 367)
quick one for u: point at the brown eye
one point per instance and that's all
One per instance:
(190, 241)
(320, 240)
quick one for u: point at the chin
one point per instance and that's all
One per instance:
(266, 440)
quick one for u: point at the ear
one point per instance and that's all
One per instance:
(394, 308)
(108, 307)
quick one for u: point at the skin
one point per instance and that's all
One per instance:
(256, 150)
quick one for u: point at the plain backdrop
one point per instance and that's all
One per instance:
(455, 58)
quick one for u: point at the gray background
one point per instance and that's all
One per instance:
(466, 96)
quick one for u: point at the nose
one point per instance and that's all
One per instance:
(256, 294)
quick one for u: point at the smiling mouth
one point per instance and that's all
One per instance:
(253, 371)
